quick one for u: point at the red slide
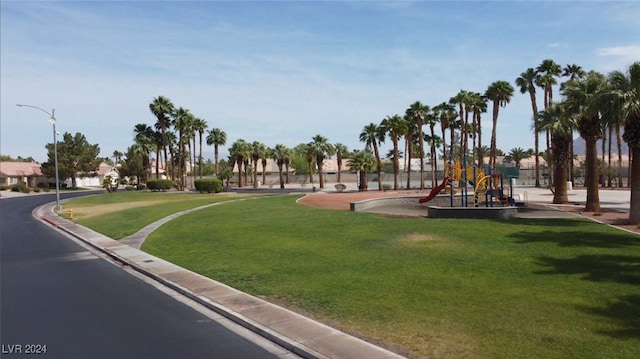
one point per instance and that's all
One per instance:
(435, 191)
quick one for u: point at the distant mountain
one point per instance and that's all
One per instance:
(579, 147)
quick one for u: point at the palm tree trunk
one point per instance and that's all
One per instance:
(591, 176)
(634, 207)
(396, 164)
(619, 144)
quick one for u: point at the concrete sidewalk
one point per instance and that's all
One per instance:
(294, 332)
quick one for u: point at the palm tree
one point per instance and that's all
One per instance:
(560, 125)
(162, 108)
(281, 155)
(478, 105)
(581, 96)
(216, 137)
(263, 158)
(418, 112)
(446, 114)
(573, 71)
(462, 99)
(181, 121)
(518, 154)
(395, 126)
(258, 151)
(342, 152)
(621, 100)
(500, 92)
(372, 135)
(526, 82)
(321, 148)
(144, 143)
(117, 156)
(361, 163)
(200, 126)
(548, 71)
(239, 151)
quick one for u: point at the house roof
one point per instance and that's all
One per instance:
(20, 169)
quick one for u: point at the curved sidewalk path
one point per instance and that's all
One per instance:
(298, 334)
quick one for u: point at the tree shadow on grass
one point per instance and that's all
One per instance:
(622, 269)
(575, 238)
(626, 314)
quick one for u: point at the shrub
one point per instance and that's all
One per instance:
(129, 188)
(19, 187)
(159, 184)
(209, 185)
(4, 187)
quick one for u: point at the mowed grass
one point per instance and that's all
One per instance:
(525, 288)
(121, 214)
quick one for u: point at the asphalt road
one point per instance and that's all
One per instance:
(60, 297)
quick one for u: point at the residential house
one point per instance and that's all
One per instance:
(28, 173)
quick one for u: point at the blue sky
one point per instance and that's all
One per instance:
(284, 71)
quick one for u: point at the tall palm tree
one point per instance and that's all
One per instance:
(162, 108)
(200, 126)
(526, 82)
(478, 105)
(463, 99)
(621, 101)
(181, 121)
(322, 149)
(573, 72)
(560, 125)
(581, 100)
(342, 152)
(517, 154)
(266, 154)
(258, 150)
(281, 155)
(396, 127)
(446, 114)
(434, 141)
(548, 71)
(217, 138)
(117, 156)
(500, 92)
(373, 135)
(361, 163)
(418, 111)
(238, 152)
(144, 143)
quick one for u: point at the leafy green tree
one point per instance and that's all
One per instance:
(361, 163)
(217, 138)
(372, 135)
(76, 156)
(500, 92)
(132, 165)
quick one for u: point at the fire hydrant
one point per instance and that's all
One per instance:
(70, 213)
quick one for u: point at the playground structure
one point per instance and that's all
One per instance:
(488, 188)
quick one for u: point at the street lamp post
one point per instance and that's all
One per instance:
(52, 121)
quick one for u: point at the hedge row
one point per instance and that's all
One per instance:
(159, 184)
(209, 185)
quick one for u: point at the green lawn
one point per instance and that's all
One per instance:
(525, 288)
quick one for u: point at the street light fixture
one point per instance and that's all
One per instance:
(52, 121)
